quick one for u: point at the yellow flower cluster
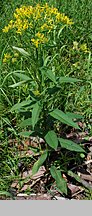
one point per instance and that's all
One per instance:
(40, 39)
(38, 20)
(83, 47)
(7, 28)
(36, 93)
(7, 57)
(64, 19)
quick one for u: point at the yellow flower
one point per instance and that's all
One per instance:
(62, 18)
(16, 54)
(66, 20)
(7, 57)
(39, 39)
(58, 17)
(83, 47)
(14, 60)
(76, 64)
(18, 23)
(19, 31)
(36, 93)
(16, 15)
(10, 26)
(5, 29)
(35, 42)
(75, 45)
(25, 26)
(45, 26)
(39, 35)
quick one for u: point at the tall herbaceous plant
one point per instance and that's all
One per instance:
(39, 29)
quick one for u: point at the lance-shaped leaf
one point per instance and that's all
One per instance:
(74, 115)
(70, 145)
(68, 80)
(21, 50)
(61, 183)
(60, 31)
(39, 163)
(22, 76)
(35, 114)
(70, 173)
(50, 75)
(20, 105)
(64, 118)
(25, 123)
(26, 133)
(51, 139)
(17, 84)
(6, 120)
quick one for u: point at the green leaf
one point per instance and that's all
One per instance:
(39, 163)
(70, 145)
(61, 29)
(35, 114)
(53, 90)
(22, 76)
(70, 173)
(17, 84)
(90, 36)
(46, 60)
(74, 115)
(6, 98)
(51, 139)
(7, 121)
(22, 51)
(25, 133)
(64, 118)
(82, 155)
(50, 75)
(61, 183)
(68, 80)
(26, 122)
(20, 105)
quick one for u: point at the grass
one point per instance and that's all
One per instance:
(68, 59)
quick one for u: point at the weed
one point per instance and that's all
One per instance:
(44, 47)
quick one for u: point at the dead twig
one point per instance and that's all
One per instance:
(85, 177)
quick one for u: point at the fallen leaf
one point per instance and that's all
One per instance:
(25, 187)
(14, 184)
(29, 152)
(39, 174)
(85, 177)
(74, 190)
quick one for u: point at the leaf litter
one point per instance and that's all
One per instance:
(35, 187)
